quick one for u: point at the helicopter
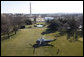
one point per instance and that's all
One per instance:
(42, 42)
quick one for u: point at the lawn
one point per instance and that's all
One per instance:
(40, 23)
(18, 45)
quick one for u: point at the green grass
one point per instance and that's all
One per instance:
(28, 26)
(40, 23)
(18, 45)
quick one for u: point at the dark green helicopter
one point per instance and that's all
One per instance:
(42, 42)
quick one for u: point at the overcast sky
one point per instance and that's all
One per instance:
(42, 7)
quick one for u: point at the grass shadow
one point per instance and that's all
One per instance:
(41, 45)
(6, 37)
(48, 31)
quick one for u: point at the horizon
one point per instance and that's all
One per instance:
(42, 13)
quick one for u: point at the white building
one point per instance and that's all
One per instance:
(49, 18)
(80, 28)
(39, 19)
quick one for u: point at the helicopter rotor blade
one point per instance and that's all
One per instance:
(58, 51)
(28, 47)
(34, 51)
(30, 44)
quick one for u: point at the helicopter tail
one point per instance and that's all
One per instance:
(30, 44)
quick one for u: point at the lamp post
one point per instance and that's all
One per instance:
(68, 32)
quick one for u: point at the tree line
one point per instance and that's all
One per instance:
(11, 24)
(70, 25)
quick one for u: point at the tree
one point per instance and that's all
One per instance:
(6, 27)
(73, 24)
(62, 24)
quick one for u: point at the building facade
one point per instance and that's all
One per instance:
(39, 19)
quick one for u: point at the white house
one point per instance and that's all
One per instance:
(39, 19)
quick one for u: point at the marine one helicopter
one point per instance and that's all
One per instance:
(42, 42)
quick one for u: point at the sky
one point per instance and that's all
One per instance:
(39, 7)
